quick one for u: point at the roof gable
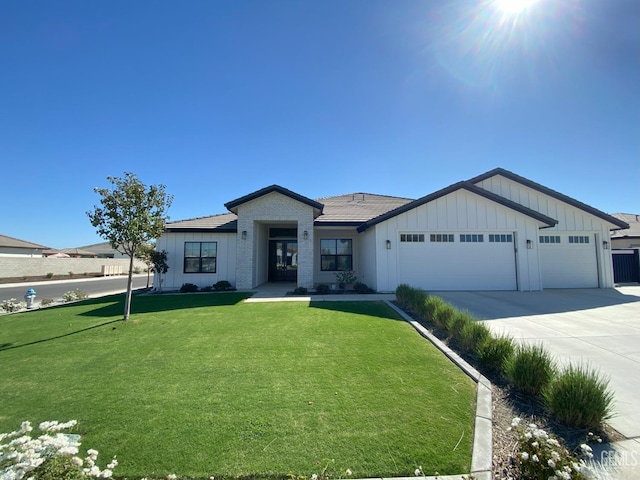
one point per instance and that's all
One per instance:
(552, 193)
(233, 205)
(548, 221)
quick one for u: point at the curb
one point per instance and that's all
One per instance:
(482, 456)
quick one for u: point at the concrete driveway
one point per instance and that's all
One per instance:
(597, 326)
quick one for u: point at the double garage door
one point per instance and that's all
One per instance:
(460, 261)
(568, 261)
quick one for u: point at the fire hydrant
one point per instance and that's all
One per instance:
(29, 297)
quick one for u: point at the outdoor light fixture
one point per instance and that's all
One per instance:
(388, 244)
(529, 244)
(305, 235)
(244, 234)
(605, 245)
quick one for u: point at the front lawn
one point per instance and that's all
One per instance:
(202, 385)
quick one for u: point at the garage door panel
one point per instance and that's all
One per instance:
(568, 265)
(458, 265)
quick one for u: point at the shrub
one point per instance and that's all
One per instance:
(455, 321)
(543, 456)
(300, 291)
(208, 288)
(137, 270)
(473, 336)
(222, 286)
(346, 277)
(49, 275)
(188, 288)
(71, 274)
(46, 301)
(12, 305)
(495, 353)
(403, 292)
(323, 289)
(362, 288)
(73, 295)
(49, 456)
(579, 397)
(431, 308)
(530, 369)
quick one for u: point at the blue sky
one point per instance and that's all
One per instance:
(216, 99)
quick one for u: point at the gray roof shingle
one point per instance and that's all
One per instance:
(6, 241)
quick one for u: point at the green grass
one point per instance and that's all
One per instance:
(201, 385)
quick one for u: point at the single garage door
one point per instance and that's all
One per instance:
(461, 261)
(568, 261)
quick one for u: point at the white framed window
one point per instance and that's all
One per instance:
(549, 238)
(412, 237)
(441, 238)
(500, 238)
(471, 238)
(578, 239)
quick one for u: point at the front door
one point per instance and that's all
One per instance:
(283, 260)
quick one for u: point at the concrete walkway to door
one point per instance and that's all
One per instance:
(600, 327)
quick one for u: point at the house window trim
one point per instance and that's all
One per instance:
(200, 271)
(336, 255)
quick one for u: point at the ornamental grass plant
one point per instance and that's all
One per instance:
(579, 397)
(495, 353)
(531, 369)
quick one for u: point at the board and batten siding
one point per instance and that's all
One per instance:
(175, 277)
(455, 213)
(571, 221)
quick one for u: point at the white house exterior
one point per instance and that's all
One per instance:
(497, 231)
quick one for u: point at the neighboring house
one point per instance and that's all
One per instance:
(104, 250)
(14, 247)
(79, 253)
(497, 231)
(626, 253)
(630, 237)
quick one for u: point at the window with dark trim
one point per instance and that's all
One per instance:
(500, 238)
(549, 238)
(578, 239)
(412, 237)
(471, 238)
(441, 238)
(336, 254)
(200, 257)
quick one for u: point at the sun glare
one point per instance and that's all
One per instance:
(514, 6)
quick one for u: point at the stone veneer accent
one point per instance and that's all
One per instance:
(272, 208)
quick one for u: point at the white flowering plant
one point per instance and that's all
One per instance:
(12, 305)
(51, 455)
(543, 456)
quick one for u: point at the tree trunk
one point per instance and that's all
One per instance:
(148, 276)
(127, 302)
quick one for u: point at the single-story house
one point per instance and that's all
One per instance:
(14, 247)
(103, 250)
(496, 231)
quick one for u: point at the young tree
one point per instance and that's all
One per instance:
(160, 266)
(144, 253)
(130, 215)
